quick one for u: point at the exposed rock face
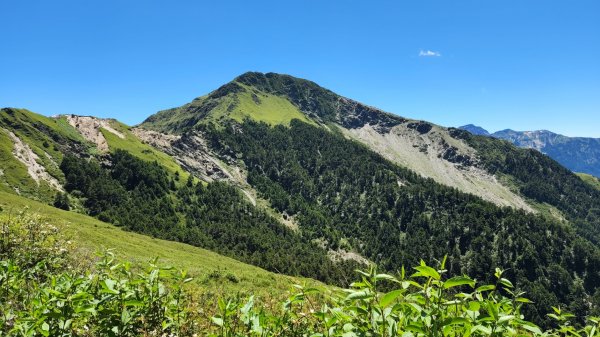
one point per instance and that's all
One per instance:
(89, 128)
(420, 127)
(155, 138)
(190, 151)
(343, 255)
(431, 151)
(36, 171)
(352, 115)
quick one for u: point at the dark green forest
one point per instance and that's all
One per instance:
(142, 197)
(350, 197)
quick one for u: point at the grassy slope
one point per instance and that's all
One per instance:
(246, 103)
(14, 173)
(270, 109)
(91, 234)
(265, 107)
(590, 179)
(133, 145)
(32, 128)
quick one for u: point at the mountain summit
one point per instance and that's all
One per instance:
(476, 130)
(271, 98)
(278, 99)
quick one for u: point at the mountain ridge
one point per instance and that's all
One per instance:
(579, 154)
(433, 154)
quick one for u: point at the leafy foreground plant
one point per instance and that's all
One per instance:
(43, 293)
(422, 304)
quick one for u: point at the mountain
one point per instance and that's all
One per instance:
(343, 167)
(283, 174)
(579, 154)
(474, 129)
(420, 146)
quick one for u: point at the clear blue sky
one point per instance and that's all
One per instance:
(499, 64)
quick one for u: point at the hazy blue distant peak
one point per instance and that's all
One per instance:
(476, 130)
(580, 154)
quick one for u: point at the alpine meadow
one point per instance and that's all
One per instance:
(273, 206)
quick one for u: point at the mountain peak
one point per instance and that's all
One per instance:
(272, 98)
(474, 129)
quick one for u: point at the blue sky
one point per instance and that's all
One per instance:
(499, 64)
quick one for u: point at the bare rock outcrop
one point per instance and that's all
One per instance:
(190, 151)
(30, 159)
(89, 127)
(430, 150)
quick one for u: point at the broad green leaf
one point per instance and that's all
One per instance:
(484, 329)
(506, 283)
(415, 328)
(388, 298)
(524, 300)
(45, 329)
(474, 306)
(427, 271)
(506, 318)
(386, 277)
(492, 310)
(360, 295)
(458, 281)
(125, 316)
(487, 287)
(246, 308)
(109, 286)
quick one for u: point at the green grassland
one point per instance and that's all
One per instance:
(211, 272)
(238, 104)
(590, 179)
(256, 105)
(259, 106)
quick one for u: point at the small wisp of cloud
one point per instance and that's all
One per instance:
(429, 53)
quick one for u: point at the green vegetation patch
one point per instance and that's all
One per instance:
(264, 107)
(233, 101)
(211, 271)
(590, 179)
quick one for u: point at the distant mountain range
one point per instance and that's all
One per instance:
(578, 154)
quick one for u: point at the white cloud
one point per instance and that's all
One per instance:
(429, 53)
